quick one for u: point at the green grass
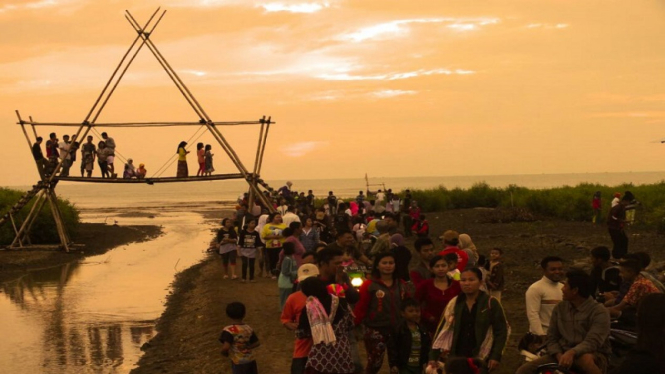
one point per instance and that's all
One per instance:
(568, 203)
(44, 230)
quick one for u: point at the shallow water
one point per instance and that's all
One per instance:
(93, 316)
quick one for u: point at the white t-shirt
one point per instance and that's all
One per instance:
(380, 196)
(64, 147)
(290, 217)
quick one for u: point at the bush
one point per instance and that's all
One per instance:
(43, 230)
(568, 203)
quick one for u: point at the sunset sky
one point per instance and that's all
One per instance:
(391, 88)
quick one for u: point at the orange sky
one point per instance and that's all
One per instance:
(391, 88)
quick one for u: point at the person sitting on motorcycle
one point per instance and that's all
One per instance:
(581, 342)
(639, 288)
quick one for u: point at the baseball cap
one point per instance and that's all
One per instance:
(307, 270)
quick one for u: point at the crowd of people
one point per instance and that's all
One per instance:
(444, 307)
(65, 151)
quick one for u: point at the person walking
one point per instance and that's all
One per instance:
(379, 308)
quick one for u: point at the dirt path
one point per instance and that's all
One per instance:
(188, 330)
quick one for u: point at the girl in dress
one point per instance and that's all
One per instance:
(200, 158)
(208, 160)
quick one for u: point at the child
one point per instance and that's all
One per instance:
(228, 247)
(421, 227)
(483, 265)
(495, 281)
(238, 340)
(288, 273)
(208, 160)
(451, 259)
(409, 346)
(249, 243)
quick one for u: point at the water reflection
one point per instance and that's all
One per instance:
(66, 342)
(94, 316)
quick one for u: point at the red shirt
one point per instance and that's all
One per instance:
(462, 257)
(293, 307)
(434, 301)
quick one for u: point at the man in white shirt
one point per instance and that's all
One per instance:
(544, 295)
(290, 216)
(64, 147)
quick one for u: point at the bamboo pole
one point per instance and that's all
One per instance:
(27, 137)
(25, 223)
(40, 205)
(156, 52)
(59, 213)
(162, 61)
(55, 211)
(11, 217)
(258, 148)
(118, 68)
(122, 74)
(141, 124)
(34, 130)
(258, 171)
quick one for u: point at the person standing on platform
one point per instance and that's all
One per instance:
(183, 172)
(88, 152)
(200, 158)
(39, 156)
(110, 144)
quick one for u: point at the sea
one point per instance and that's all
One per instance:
(96, 195)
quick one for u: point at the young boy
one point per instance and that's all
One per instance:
(238, 341)
(495, 281)
(452, 259)
(409, 346)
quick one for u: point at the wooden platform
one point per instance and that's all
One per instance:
(214, 177)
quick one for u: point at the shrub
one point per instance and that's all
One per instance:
(43, 230)
(569, 203)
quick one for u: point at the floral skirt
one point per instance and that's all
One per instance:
(183, 172)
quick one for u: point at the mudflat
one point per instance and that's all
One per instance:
(97, 237)
(188, 331)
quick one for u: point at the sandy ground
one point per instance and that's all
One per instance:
(189, 328)
(97, 237)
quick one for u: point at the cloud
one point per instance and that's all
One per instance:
(393, 76)
(547, 26)
(294, 8)
(302, 148)
(648, 116)
(35, 5)
(402, 27)
(383, 94)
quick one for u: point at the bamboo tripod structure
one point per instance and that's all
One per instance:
(44, 190)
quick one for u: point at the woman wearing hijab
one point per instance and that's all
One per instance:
(466, 244)
(183, 172)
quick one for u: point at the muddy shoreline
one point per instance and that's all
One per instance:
(98, 238)
(194, 315)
